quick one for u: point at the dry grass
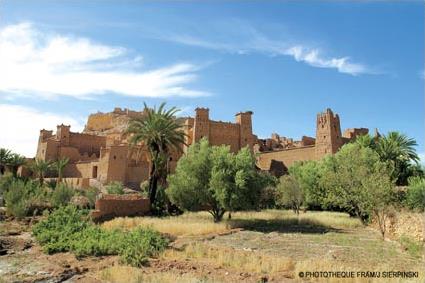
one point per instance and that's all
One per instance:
(127, 274)
(188, 224)
(200, 223)
(242, 261)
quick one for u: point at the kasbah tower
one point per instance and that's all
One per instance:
(102, 153)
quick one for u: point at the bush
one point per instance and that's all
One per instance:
(139, 244)
(115, 188)
(62, 195)
(415, 196)
(68, 229)
(16, 199)
(57, 232)
(26, 198)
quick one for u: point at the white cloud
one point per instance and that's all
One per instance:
(21, 126)
(48, 65)
(254, 41)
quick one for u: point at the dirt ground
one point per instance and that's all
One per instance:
(22, 260)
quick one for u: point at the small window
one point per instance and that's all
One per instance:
(115, 157)
(324, 137)
(246, 139)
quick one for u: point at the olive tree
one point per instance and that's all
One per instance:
(217, 180)
(290, 193)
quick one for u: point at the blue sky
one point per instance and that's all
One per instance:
(284, 60)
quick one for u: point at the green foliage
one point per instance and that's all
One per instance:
(40, 168)
(115, 188)
(139, 244)
(68, 229)
(213, 178)
(308, 175)
(59, 166)
(160, 132)
(398, 151)
(415, 196)
(24, 198)
(61, 195)
(91, 194)
(5, 182)
(57, 232)
(5, 155)
(356, 180)
(413, 247)
(290, 193)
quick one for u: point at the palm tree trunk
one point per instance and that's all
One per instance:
(153, 184)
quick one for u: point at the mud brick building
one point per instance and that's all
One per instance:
(102, 153)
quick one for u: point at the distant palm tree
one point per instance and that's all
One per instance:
(14, 162)
(399, 150)
(40, 168)
(4, 159)
(365, 141)
(159, 131)
(59, 166)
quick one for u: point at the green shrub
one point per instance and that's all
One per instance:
(91, 193)
(57, 232)
(68, 229)
(5, 182)
(415, 196)
(62, 195)
(140, 244)
(26, 198)
(115, 188)
(16, 198)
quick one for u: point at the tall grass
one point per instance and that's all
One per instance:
(200, 223)
(188, 224)
(231, 258)
(126, 274)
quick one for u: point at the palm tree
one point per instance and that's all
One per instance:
(59, 166)
(4, 159)
(40, 168)
(399, 150)
(159, 131)
(15, 161)
(365, 141)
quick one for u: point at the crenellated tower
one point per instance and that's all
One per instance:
(328, 134)
(244, 119)
(201, 124)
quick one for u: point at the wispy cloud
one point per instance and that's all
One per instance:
(21, 136)
(250, 40)
(47, 65)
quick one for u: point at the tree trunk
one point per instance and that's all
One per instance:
(218, 214)
(153, 185)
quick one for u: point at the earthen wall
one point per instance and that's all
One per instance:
(287, 156)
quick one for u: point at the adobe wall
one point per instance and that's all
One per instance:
(87, 143)
(137, 174)
(108, 206)
(224, 133)
(287, 156)
(80, 169)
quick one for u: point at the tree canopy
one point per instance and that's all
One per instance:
(217, 180)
